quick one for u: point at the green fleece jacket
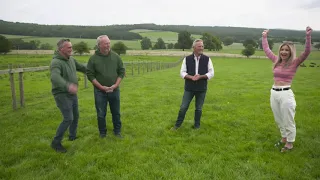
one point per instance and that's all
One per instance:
(105, 68)
(64, 72)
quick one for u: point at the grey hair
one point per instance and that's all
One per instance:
(61, 42)
(99, 39)
(195, 41)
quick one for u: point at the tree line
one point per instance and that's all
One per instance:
(121, 32)
(90, 32)
(212, 43)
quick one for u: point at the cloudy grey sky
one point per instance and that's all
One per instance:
(284, 14)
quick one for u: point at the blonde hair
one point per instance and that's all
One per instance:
(292, 54)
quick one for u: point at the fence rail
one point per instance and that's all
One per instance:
(132, 68)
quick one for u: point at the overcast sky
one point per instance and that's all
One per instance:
(284, 14)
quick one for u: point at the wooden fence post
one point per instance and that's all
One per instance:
(13, 90)
(21, 87)
(147, 64)
(132, 67)
(85, 80)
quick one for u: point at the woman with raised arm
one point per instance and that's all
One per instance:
(282, 99)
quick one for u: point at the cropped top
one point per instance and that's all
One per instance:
(280, 72)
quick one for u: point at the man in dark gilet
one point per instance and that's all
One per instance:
(196, 69)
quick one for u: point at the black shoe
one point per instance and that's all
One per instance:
(72, 138)
(119, 135)
(174, 128)
(58, 147)
(103, 135)
(196, 127)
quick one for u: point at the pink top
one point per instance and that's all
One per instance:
(286, 74)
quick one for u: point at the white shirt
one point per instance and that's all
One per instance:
(183, 71)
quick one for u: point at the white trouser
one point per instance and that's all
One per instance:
(283, 105)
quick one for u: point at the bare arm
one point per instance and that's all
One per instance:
(98, 85)
(117, 83)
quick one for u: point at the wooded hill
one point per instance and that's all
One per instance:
(122, 32)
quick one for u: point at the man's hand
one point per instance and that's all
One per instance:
(73, 88)
(196, 77)
(107, 89)
(113, 87)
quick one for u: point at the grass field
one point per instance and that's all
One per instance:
(133, 44)
(41, 58)
(167, 36)
(44, 60)
(235, 140)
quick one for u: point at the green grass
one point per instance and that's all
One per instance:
(14, 36)
(44, 60)
(236, 46)
(141, 30)
(33, 60)
(235, 140)
(132, 44)
(314, 54)
(167, 36)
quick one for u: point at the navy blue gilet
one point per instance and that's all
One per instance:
(200, 85)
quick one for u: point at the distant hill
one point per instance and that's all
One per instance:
(124, 32)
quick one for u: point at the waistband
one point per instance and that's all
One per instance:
(274, 86)
(280, 88)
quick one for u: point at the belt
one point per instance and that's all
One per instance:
(281, 89)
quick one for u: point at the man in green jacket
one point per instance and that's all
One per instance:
(64, 81)
(105, 71)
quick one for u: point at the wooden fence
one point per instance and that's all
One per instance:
(132, 69)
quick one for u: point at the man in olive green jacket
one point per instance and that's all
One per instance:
(64, 82)
(105, 70)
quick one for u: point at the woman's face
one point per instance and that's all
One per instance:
(285, 52)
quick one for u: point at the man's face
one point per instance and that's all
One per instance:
(104, 45)
(198, 48)
(66, 49)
